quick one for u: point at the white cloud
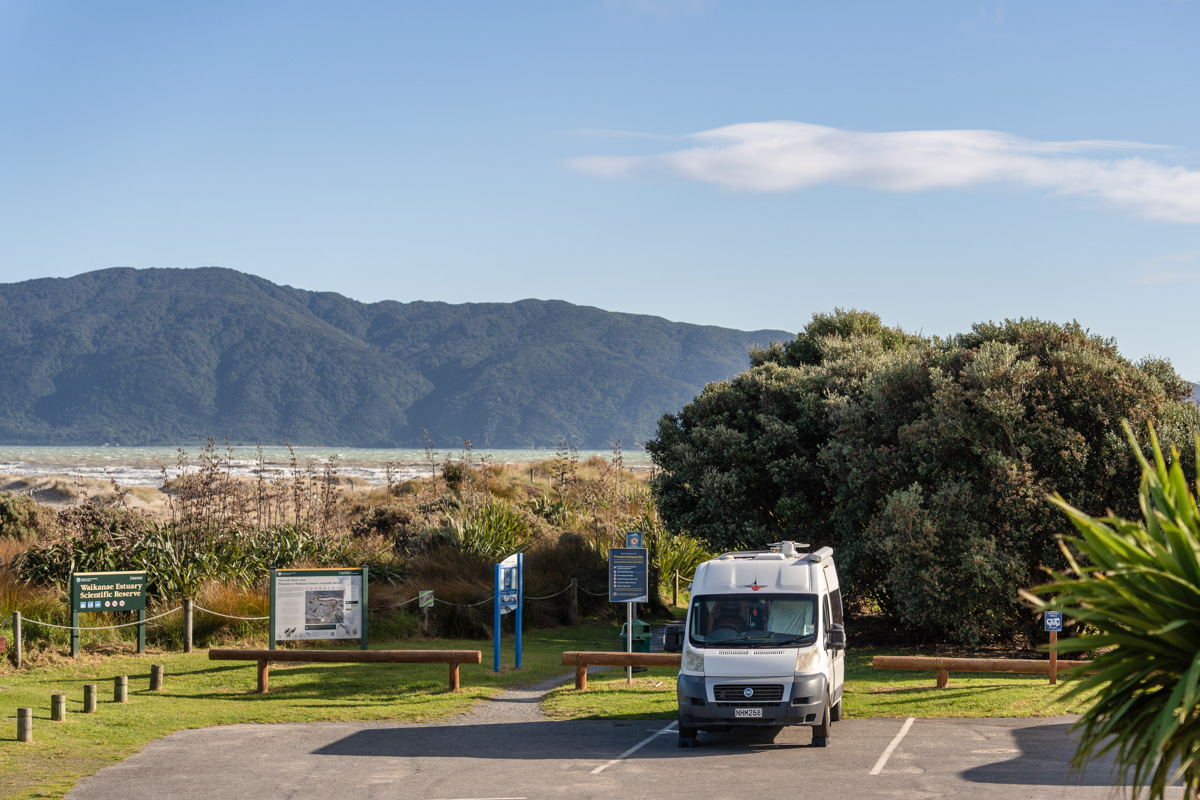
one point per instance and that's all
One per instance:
(788, 156)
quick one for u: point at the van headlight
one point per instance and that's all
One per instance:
(693, 660)
(808, 660)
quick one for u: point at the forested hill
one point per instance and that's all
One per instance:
(173, 355)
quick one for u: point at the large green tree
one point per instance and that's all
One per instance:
(923, 461)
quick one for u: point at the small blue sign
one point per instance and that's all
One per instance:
(633, 539)
(1054, 621)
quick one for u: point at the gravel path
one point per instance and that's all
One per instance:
(515, 705)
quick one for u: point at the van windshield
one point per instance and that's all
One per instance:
(739, 620)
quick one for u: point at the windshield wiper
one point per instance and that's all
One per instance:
(795, 639)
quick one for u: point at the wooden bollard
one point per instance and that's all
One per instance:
(89, 698)
(156, 677)
(121, 689)
(58, 707)
(943, 678)
(581, 677)
(24, 724)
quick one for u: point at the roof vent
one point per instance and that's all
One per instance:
(787, 549)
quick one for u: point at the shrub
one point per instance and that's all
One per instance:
(22, 518)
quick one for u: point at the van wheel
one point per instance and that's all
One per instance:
(835, 713)
(687, 736)
(821, 731)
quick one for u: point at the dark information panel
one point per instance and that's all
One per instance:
(628, 575)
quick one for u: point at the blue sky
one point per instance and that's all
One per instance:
(743, 164)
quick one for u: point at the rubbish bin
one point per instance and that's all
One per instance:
(641, 637)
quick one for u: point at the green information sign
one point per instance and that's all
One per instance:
(97, 592)
(108, 591)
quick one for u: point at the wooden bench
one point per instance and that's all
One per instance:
(943, 666)
(265, 657)
(582, 659)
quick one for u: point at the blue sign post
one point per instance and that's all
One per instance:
(1053, 623)
(510, 591)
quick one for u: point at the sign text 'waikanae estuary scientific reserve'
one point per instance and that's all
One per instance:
(108, 591)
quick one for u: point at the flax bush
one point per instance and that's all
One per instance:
(1137, 585)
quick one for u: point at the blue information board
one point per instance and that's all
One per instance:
(510, 586)
(1054, 621)
(628, 575)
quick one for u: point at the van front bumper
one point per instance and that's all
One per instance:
(789, 700)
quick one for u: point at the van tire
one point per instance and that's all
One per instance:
(835, 713)
(821, 730)
(687, 736)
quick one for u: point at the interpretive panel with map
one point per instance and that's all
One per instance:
(318, 604)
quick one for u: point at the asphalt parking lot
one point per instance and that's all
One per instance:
(465, 759)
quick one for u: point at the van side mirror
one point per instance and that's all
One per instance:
(673, 639)
(835, 637)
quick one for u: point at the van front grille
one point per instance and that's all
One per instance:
(761, 694)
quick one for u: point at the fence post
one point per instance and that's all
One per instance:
(74, 631)
(675, 591)
(141, 628)
(573, 607)
(187, 624)
(16, 622)
(121, 689)
(156, 677)
(58, 707)
(24, 724)
(89, 698)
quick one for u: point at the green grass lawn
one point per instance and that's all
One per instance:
(869, 693)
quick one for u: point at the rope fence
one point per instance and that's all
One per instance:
(197, 607)
(101, 627)
(18, 618)
(226, 616)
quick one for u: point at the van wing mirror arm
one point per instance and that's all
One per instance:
(673, 639)
(835, 637)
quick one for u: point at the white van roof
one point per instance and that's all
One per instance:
(782, 568)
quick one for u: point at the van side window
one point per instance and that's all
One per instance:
(835, 605)
(825, 612)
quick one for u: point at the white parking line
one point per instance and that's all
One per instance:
(883, 759)
(634, 749)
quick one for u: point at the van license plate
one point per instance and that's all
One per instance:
(740, 713)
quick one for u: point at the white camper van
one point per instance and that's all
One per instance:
(764, 643)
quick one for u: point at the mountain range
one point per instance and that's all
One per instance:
(173, 356)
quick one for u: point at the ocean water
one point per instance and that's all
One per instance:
(144, 466)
